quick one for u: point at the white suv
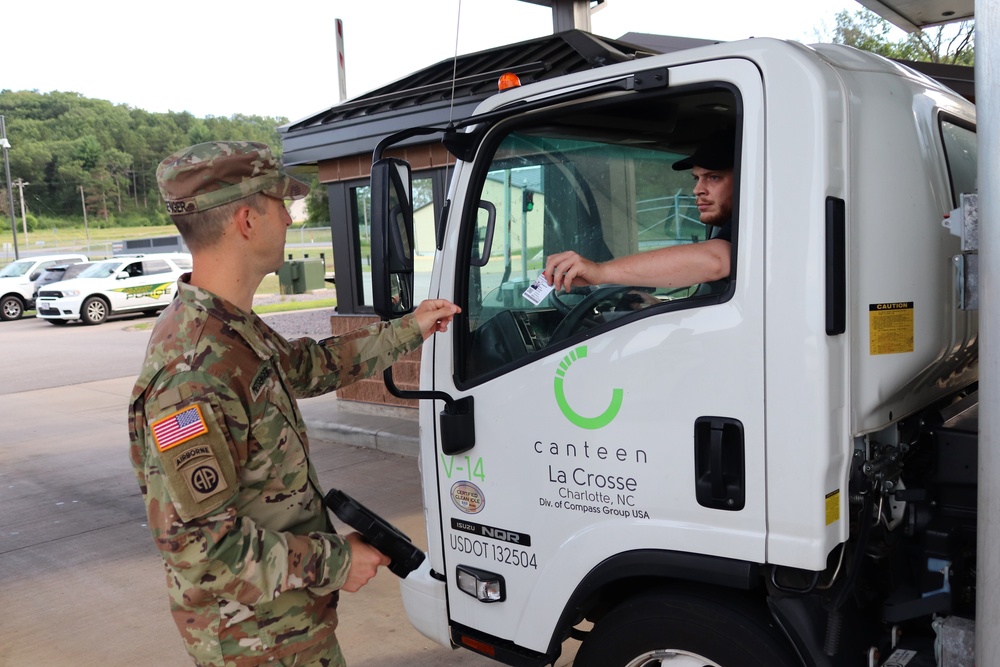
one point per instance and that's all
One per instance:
(123, 284)
(17, 290)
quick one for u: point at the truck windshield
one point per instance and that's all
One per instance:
(599, 182)
(15, 269)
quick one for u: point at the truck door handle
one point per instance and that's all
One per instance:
(720, 474)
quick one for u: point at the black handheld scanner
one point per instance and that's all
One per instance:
(377, 532)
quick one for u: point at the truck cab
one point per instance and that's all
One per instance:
(767, 469)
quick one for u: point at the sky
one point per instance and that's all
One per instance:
(219, 57)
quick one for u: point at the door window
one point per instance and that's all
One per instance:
(153, 266)
(961, 152)
(599, 180)
(423, 237)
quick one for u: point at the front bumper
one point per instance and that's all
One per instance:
(426, 604)
(66, 308)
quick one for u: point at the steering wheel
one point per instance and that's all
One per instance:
(586, 312)
(563, 307)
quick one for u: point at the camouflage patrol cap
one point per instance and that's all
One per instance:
(206, 175)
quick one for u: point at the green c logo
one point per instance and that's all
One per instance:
(601, 420)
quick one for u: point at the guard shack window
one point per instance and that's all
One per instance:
(350, 201)
(597, 179)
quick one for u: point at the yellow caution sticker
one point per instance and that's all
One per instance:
(890, 327)
(832, 507)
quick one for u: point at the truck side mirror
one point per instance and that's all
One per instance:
(392, 238)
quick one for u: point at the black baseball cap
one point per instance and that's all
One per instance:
(716, 152)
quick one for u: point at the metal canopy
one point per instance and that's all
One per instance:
(912, 15)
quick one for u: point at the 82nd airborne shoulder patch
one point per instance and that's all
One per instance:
(199, 474)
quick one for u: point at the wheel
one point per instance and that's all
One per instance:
(11, 308)
(94, 310)
(685, 629)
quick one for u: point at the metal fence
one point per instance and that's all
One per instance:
(313, 240)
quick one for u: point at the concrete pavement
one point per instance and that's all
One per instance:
(80, 581)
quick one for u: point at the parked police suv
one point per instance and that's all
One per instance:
(123, 284)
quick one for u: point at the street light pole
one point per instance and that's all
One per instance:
(10, 192)
(24, 220)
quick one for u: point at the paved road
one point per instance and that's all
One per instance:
(35, 354)
(80, 581)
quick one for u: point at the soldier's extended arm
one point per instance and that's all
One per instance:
(315, 369)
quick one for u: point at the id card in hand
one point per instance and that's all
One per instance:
(538, 290)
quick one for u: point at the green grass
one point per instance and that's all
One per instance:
(269, 285)
(282, 307)
(75, 239)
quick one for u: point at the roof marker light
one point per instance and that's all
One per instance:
(508, 80)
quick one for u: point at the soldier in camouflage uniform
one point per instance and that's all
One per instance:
(217, 441)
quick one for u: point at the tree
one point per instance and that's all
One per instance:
(952, 44)
(317, 204)
(423, 192)
(63, 141)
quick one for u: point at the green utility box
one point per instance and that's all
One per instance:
(299, 276)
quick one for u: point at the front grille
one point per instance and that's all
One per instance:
(50, 294)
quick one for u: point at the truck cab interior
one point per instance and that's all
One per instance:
(596, 178)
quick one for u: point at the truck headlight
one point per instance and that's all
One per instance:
(480, 584)
(71, 292)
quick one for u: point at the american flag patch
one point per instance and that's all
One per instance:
(179, 427)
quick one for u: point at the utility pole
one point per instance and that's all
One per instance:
(24, 218)
(86, 230)
(10, 193)
(341, 65)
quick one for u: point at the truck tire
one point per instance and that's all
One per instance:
(685, 629)
(11, 308)
(94, 310)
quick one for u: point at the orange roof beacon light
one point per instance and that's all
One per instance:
(508, 80)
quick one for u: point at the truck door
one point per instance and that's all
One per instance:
(615, 418)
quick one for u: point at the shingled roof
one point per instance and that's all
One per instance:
(426, 98)
(431, 97)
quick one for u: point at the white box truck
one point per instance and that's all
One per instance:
(775, 469)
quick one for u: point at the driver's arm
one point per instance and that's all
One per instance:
(676, 266)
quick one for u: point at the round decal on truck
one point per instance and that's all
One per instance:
(593, 422)
(467, 497)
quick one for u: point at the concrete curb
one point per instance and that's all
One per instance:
(327, 420)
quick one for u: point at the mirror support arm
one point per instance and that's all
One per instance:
(458, 426)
